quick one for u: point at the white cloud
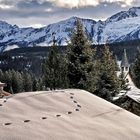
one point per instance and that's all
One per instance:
(83, 3)
(74, 3)
(122, 2)
(6, 4)
(49, 10)
(3, 6)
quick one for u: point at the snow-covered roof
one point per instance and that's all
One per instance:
(65, 115)
(134, 92)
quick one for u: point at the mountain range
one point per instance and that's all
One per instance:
(123, 26)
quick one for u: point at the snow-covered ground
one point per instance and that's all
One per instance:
(11, 47)
(70, 114)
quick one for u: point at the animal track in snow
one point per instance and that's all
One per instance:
(26, 121)
(69, 112)
(58, 115)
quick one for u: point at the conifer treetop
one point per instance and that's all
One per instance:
(124, 62)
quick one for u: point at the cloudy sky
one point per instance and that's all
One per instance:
(38, 13)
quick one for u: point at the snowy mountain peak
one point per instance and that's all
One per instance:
(3, 23)
(135, 10)
(73, 18)
(123, 26)
(131, 13)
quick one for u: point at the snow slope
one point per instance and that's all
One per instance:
(70, 114)
(11, 47)
(123, 30)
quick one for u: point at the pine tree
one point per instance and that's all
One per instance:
(14, 81)
(80, 60)
(8, 80)
(27, 82)
(20, 82)
(108, 81)
(54, 69)
(136, 70)
(123, 82)
(35, 84)
(1, 75)
(41, 84)
(63, 71)
(17, 82)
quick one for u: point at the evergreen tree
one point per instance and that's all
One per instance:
(136, 70)
(8, 80)
(27, 82)
(41, 84)
(54, 69)
(36, 86)
(63, 71)
(14, 81)
(20, 82)
(17, 82)
(1, 75)
(108, 81)
(81, 60)
(123, 82)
